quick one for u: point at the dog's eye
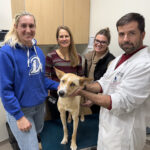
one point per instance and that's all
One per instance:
(72, 84)
(63, 81)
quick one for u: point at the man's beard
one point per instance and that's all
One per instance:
(129, 47)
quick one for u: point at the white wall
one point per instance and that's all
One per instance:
(3, 131)
(105, 13)
(5, 22)
(5, 14)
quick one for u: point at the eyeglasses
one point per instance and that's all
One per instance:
(100, 42)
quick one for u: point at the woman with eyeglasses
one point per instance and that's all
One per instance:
(96, 61)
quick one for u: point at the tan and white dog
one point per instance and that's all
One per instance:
(68, 84)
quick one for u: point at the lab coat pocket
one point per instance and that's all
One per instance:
(112, 137)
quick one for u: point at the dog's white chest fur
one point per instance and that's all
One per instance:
(69, 103)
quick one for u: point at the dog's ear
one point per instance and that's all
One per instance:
(84, 80)
(59, 73)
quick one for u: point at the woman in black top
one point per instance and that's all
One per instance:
(97, 61)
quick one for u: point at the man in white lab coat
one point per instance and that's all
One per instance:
(125, 89)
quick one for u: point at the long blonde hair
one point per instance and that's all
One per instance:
(12, 37)
(74, 58)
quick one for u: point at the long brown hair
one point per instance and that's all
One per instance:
(73, 55)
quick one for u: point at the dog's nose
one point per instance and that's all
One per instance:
(61, 93)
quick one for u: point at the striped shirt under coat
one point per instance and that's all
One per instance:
(54, 60)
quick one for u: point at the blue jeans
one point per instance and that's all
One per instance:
(28, 140)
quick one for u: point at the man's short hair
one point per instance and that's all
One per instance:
(132, 17)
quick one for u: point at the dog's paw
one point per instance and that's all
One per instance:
(64, 141)
(73, 147)
(82, 118)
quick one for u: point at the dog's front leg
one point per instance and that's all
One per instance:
(63, 120)
(75, 126)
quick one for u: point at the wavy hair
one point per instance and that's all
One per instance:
(11, 37)
(73, 55)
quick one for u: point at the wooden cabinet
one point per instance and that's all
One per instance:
(50, 14)
(76, 16)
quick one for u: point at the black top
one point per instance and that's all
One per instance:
(100, 67)
(99, 71)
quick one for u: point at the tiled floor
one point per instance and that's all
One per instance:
(6, 146)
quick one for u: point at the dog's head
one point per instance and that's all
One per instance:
(69, 83)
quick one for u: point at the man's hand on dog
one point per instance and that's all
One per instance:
(77, 91)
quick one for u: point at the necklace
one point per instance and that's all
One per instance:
(65, 57)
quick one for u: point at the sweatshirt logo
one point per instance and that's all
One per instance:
(36, 66)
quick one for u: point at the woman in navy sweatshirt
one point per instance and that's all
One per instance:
(22, 81)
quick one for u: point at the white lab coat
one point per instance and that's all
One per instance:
(124, 126)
